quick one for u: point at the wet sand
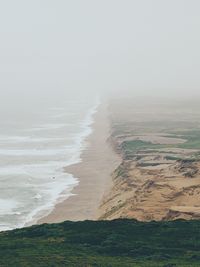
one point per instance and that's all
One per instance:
(94, 174)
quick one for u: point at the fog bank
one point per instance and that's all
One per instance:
(146, 47)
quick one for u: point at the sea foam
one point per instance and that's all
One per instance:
(32, 177)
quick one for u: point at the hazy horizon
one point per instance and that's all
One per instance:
(139, 47)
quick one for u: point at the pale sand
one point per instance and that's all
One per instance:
(94, 173)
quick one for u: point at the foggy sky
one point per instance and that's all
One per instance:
(143, 46)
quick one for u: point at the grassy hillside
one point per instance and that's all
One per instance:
(121, 243)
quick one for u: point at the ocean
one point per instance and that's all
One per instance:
(39, 136)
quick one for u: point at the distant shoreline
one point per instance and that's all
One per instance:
(94, 174)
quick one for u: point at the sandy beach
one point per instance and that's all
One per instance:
(94, 174)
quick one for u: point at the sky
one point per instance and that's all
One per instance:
(140, 46)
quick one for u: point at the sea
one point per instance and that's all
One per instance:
(40, 134)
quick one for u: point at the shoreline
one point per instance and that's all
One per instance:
(98, 161)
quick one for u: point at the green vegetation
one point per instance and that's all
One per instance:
(119, 243)
(148, 164)
(192, 138)
(173, 158)
(121, 171)
(130, 148)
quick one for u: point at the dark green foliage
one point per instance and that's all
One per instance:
(173, 158)
(147, 164)
(122, 243)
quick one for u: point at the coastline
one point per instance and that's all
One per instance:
(98, 161)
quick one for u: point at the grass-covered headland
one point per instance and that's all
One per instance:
(119, 243)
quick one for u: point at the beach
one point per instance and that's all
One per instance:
(98, 161)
